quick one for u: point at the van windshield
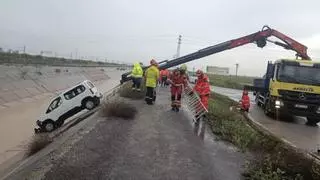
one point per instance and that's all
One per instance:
(299, 74)
(54, 104)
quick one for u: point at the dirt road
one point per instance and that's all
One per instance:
(157, 144)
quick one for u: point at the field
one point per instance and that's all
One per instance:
(27, 59)
(231, 81)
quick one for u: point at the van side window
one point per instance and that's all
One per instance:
(74, 92)
(54, 104)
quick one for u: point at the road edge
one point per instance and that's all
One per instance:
(262, 129)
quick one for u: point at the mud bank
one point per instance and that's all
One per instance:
(21, 82)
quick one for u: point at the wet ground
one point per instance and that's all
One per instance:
(292, 129)
(157, 144)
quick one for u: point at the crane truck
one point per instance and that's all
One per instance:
(288, 87)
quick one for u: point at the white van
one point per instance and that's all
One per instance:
(71, 101)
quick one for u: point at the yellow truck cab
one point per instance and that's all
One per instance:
(290, 87)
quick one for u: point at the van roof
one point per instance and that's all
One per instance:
(68, 89)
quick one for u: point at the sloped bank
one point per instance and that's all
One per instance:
(273, 158)
(19, 82)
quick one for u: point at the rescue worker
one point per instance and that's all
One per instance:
(177, 82)
(245, 101)
(184, 72)
(202, 88)
(152, 75)
(136, 75)
(164, 74)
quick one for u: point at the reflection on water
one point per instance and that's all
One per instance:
(199, 128)
(234, 94)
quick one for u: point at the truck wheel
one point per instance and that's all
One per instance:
(312, 121)
(267, 111)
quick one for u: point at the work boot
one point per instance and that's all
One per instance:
(149, 101)
(139, 90)
(133, 88)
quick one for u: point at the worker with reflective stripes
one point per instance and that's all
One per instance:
(184, 72)
(164, 74)
(245, 101)
(152, 75)
(136, 75)
(177, 82)
(202, 88)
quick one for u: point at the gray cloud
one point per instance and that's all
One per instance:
(138, 30)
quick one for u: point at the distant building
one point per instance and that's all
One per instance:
(217, 70)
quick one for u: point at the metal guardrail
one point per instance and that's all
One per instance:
(193, 103)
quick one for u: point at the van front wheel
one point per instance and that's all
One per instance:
(48, 125)
(89, 104)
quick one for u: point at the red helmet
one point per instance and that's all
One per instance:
(199, 72)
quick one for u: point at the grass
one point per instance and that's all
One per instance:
(16, 58)
(119, 109)
(273, 159)
(37, 143)
(127, 92)
(234, 82)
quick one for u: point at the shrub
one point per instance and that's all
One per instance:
(119, 109)
(37, 143)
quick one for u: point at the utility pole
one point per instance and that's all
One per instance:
(76, 53)
(24, 49)
(178, 48)
(237, 67)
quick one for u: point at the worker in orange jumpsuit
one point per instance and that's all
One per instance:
(184, 72)
(164, 74)
(202, 88)
(245, 101)
(177, 82)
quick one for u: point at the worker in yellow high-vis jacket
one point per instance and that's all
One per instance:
(152, 75)
(136, 75)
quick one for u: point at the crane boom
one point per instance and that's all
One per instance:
(260, 38)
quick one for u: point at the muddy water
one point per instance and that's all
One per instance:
(234, 94)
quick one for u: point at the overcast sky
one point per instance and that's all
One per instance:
(129, 31)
